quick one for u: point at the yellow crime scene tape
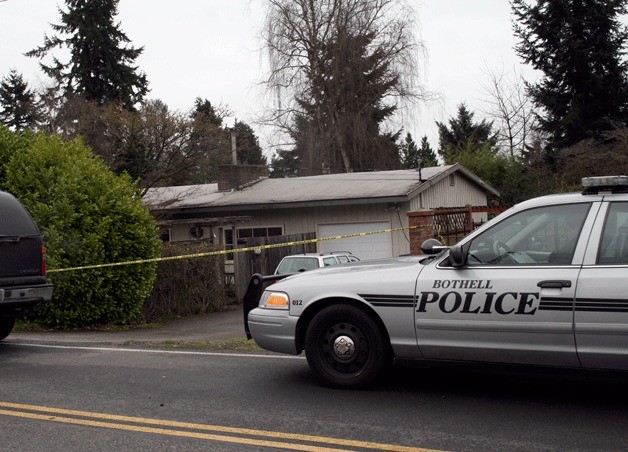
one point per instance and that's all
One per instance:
(235, 250)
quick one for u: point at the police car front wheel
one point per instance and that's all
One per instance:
(345, 347)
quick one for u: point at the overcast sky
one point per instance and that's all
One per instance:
(211, 49)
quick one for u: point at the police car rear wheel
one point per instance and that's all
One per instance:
(345, 347)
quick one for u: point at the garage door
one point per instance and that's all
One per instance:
(372, 246)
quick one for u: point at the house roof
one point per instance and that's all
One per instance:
(328, 189)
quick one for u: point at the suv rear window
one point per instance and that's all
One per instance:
(14, 219)
(295, 264)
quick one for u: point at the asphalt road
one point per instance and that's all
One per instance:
(133, 399)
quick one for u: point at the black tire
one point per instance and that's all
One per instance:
(361, 352)
(6, 326)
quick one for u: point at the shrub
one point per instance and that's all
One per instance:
(10, 144)
(87, 215)
(186, 286)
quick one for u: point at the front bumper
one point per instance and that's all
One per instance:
(274, 330)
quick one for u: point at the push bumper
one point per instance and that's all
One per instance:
(274, 330)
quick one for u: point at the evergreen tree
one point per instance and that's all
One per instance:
(578, 45)
(101, 66)
(247, 145)
(427, 154)
(409, 153)
(463, 134)
(284, 164)
(209, 141)
(19, 108)
(205, 111)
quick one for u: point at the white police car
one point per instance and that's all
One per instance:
(545, 283)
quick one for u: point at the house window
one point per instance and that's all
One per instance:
(452, 180)
(165, 234)
(245, 233)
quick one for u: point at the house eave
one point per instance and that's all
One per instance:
(203, 221)
(284, 205)
(456, 167)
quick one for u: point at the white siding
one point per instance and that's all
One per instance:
(295, 221)
(180, 232)
(443, 194)
(365, 247)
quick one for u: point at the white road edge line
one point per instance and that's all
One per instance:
(140, 350)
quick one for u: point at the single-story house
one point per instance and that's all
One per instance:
(245, 204)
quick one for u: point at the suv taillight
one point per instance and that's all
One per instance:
(43, 260)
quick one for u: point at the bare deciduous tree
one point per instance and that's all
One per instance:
(310, 44)
(154, 145)
(512, 111)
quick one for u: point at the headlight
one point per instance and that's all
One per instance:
(275, 300)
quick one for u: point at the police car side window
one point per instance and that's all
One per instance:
(540, 236)
(614, 243)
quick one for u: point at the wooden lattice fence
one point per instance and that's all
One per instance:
(448, 225)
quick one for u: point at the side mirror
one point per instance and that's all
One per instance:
(457, 256)
(432, 246)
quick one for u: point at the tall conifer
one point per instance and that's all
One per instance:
(579, 47)
(463, 133)
(427, 154)
(102, 64)
(19, 108)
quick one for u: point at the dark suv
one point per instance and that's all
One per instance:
(23, 282)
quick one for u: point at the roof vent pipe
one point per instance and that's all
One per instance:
(234, 152)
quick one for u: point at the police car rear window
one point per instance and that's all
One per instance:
(614, 243)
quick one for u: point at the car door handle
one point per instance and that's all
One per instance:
(558, 284)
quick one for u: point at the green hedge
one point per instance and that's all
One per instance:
(87, 215)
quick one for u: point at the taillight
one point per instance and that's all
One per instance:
(43, 260)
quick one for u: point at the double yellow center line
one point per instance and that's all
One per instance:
(260, 438)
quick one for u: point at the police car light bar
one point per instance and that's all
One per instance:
(610, 184)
